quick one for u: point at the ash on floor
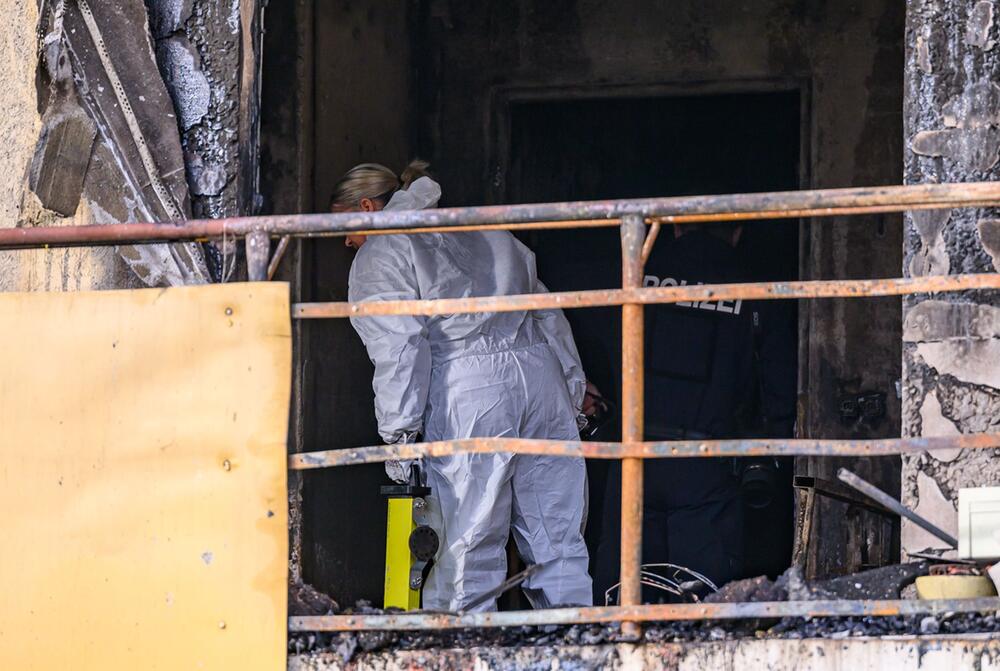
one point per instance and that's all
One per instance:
(883, 583)
(347, 645)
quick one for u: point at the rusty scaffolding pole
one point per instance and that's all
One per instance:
(637, 614)
(632, 216)
(884, 447)
(633, 234)
(678, 210)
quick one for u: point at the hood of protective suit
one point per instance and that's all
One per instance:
(424, 193)
(453, 265)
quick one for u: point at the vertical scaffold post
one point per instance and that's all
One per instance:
(633, 233)
(258, 246)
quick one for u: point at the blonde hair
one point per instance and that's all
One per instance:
(374, 181)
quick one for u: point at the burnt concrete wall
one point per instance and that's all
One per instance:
(198, 52)
(208, 53)
(20, 125)
(48, 113)
(197, 49)
(847, 57)
(362, 112)
(108, 134)
(951, 355)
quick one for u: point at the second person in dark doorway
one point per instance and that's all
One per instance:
(714, 370)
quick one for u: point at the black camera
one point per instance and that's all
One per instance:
(758, 481)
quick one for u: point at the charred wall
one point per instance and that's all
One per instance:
(145, 112)
(361, 110)
(25, 96)
(105, 147)
(951, 352)
(846, 58)
(198, 52)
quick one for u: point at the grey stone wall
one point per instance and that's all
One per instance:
(951, 351)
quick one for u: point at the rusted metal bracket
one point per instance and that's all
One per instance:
(870, 490)
(835, 490)
(651, 236)
(279, 254)
(258, 246)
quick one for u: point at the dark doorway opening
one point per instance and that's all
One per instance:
(597, 148)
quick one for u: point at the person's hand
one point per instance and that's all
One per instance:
(593, 402)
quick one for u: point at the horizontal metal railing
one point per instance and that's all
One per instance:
(683, 209)
(694, 293)
(376, 454)
(636, 614)
(633, 217)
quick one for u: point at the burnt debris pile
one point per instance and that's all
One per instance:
(883, 583)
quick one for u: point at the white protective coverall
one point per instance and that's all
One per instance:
(508, 374)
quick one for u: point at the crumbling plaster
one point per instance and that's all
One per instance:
(110, 144)
(951, 354)
(20, 125)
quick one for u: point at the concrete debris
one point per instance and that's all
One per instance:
(799, 628)
(304, 599)
(749, 590)
(929, 625)
(795, 585)
(881, 583)
(887, 582)
(62, 156)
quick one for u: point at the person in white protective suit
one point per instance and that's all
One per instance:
(508, 374)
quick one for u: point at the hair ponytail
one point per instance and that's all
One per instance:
(375, 181)
(414, 171)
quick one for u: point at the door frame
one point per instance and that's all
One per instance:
(498, 131)
(499, 179)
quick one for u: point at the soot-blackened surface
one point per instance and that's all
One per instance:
(347, 645)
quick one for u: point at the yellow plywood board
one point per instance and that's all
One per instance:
(143, 507)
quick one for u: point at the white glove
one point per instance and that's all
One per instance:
(399, 470)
